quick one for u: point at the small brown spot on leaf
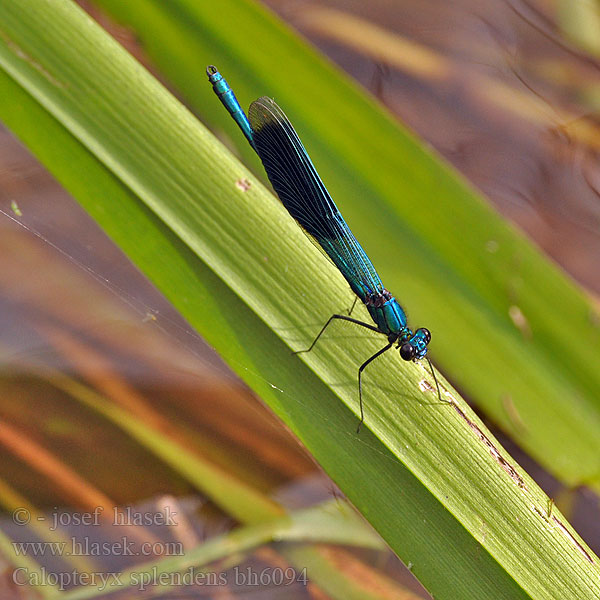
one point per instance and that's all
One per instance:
(243, 184)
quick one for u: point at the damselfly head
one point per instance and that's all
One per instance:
(416, 346)
(407, 351)
(425, 334)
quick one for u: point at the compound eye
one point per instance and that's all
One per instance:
(425, 333)
(407, 351)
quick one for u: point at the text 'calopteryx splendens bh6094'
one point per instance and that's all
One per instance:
(304, 195)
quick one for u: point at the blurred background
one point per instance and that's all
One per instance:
(506, 91)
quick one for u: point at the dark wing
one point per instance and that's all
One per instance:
(302, 192)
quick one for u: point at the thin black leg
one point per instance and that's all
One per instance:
(437, 385)
(353, 305)
(343, 318)
(360, 370)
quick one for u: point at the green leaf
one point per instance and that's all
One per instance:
(508, 327)
(426, 474)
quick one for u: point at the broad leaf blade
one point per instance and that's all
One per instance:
(508, 327)
(428, 477)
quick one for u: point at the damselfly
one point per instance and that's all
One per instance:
(304, 195)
